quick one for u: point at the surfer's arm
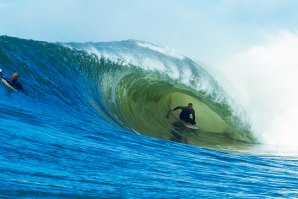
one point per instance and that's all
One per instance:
(178, 107)
(168, 114)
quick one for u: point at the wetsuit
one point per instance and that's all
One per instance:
(185, 114)
(16, 84)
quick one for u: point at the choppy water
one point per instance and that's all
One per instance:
(86, 127)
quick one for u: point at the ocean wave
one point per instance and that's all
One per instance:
(127, 84)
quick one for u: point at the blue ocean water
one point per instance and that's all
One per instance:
(90, 127)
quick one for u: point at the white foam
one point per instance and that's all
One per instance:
(267, 79)
(93, 50)
(165, 51)
(143, 61)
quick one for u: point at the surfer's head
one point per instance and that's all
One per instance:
(15, 76)
(189, 105)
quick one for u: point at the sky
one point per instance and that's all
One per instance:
(253, 44)
(210, 31)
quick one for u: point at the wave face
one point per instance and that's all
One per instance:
(131, 84)
(74, 132)
(140, 82)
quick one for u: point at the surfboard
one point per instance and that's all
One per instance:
(191, 126)
(7, 84)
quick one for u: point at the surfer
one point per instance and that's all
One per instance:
(14, 82)
(186, 112)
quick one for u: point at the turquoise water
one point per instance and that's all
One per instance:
(92, 124)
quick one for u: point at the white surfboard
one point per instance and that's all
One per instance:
(191, 126)
(7, 84)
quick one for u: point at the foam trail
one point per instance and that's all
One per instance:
(266, 77)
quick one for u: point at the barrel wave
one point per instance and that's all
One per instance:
(131, 84)
(75, 130)
(148, 80)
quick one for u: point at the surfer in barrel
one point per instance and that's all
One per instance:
(185, 114)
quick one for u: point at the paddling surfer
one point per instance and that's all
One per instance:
(14, 82)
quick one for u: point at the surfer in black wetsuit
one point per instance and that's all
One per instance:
(185, 114)
(14, 82)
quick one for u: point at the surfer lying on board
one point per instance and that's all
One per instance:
(14, 82)
(185, 114)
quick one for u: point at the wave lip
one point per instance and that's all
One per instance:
(165, 51)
